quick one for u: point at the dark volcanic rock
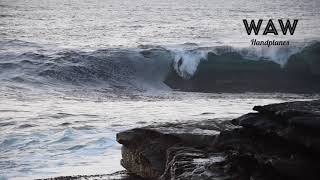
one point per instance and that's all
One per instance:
(298, 122)
(280, 142)
(180, 163)
(145, 150)
(291, 109)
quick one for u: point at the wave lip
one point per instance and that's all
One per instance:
(235, 71)
(187, 67)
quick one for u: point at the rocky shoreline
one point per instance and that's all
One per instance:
(279, 141)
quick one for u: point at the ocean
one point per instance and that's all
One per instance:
(73, 73)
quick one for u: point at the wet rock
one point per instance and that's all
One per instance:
(200, 134)
(279, 141)
(305, 122)
(144, 151)
(258, 121)
(153, 150)
(296, 168)
(287, 110)
(192, 163)
(297, 122)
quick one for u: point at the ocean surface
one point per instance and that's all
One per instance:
(73, 73)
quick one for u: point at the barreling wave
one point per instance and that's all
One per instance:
(140, 68)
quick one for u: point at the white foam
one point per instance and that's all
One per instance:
(186, 62)
(279, 55)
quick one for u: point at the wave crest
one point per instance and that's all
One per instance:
(142, 68)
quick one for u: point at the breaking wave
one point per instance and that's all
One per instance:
(138, 68)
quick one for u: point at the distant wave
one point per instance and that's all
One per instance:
(138, 68)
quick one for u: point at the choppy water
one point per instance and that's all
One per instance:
(46, 135)
(74, 73)
(97, 23)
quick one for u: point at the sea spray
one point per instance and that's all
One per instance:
(129, 69)
(186, 62)
(279, 55)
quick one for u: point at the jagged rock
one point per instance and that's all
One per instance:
(144, 151)
(280, 142)
(180, 162)
(297, 122)
(194, 133)
(258, 121)
(290, 109)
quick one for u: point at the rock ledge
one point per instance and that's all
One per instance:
(279, 141)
